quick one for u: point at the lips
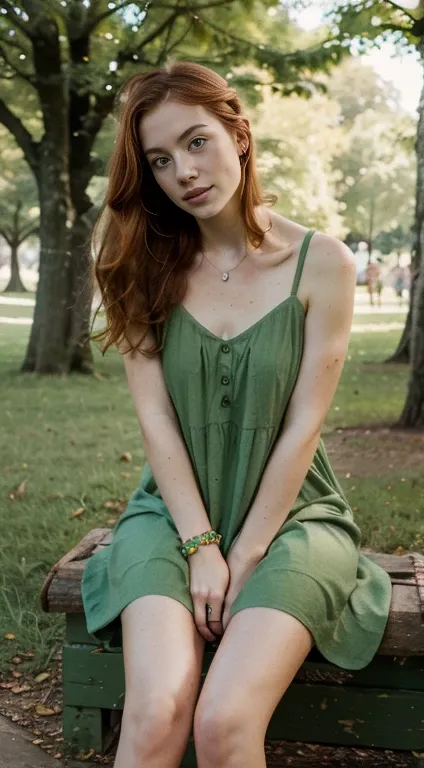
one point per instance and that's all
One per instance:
(195, 192)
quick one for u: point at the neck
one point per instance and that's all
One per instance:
(224, 235)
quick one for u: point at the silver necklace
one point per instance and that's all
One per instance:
(225, 275)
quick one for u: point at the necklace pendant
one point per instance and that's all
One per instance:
(225, 276)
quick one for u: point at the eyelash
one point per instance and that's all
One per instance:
(159, 167)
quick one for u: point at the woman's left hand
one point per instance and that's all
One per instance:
(241, 566)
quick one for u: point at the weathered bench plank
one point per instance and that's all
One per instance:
(404, 635)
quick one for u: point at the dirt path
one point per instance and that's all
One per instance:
(367, 452)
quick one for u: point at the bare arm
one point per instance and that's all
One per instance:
(327, 330)
(163, 443)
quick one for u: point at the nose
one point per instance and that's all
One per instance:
(185, 169)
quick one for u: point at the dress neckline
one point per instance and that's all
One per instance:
(248, 330)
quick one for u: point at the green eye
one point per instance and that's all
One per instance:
(158, 165)
(198, 138)
(156, 161)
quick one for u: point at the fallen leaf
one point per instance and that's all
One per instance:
(20, 688)
(78, 512)
(42, 710)
(9, 636)
(41, 677)
(125, 475)
(16, 660)
(125, 457)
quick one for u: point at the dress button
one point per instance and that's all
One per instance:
(225, 380)
(225, 402)
(225, 348)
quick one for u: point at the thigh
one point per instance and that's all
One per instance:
(162, 652)
(257, 658)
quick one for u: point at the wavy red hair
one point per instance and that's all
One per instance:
(144, 243)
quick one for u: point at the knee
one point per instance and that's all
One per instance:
(218, 730)
(148, 720)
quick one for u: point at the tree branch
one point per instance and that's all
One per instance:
(25, 235)
(165, 50)
(29, 79)
(17, 21)
(192, 8)
(29, 147)
(403, 10)
(128, 55)
(7, 237)
(195, 7)
(102, 16)
(12, 43)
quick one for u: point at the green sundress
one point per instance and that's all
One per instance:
(230, 397)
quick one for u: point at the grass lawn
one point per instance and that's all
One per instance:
(73, 446)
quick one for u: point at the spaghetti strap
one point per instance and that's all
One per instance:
(301, 261)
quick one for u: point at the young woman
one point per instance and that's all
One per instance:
(233, 323)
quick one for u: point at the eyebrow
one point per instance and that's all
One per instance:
(180, 138)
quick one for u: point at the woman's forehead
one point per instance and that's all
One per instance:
(165, 123)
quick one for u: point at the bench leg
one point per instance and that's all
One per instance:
(83, 729)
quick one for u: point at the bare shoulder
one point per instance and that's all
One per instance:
(331, 275)
(329, 255)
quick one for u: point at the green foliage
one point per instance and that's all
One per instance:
(370, 21)
(297, 141)
(377, 183)
(395, 241)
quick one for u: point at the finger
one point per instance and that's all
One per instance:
(216, 627)
(200, 618)
(214, 616)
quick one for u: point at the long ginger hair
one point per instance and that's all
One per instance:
(144, 244)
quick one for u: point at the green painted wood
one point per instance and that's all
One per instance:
(354, 717)
(93, 679)
(383, 672)
(76, 630)
(390, 673)
(317, 712)
(189, 758)
(83, 729)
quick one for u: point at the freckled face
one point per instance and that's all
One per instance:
(191, 149)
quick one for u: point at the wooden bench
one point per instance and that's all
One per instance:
(379, 706)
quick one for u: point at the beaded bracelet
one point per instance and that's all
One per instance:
(190, 546)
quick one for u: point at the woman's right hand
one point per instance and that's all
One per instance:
(209, 581)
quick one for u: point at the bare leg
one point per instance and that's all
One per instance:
(163, 653)
(258, 656)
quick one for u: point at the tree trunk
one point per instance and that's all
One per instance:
(412, 416)
(49, 349)
(81, 289)
(402, 353)
(15, 284)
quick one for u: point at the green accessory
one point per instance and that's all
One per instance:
(190, 546)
